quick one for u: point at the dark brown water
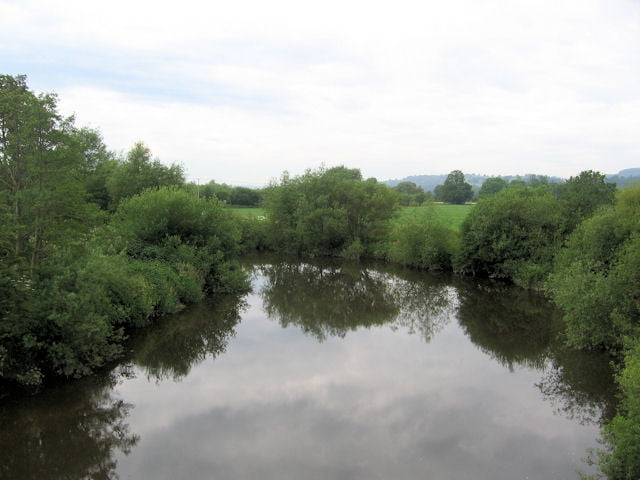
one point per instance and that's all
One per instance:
(327, 371)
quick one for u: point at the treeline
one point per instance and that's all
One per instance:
(92, 244)
(237, 196)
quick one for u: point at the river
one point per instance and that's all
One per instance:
(327, 370)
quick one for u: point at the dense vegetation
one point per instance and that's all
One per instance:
(93, 244)
(329, 212)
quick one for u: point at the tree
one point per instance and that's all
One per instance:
(581, 196)
(512, 235)
(596, 279)
(410, 193)
(455, 189)
(97, 165)
(491, 186)
(245, 197)
(139, 172)
(329, 212)
(40, 187)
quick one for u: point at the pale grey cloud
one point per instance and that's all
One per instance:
(240, 92)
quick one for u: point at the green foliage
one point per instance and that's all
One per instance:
(96, 167)
(596, 282)
(246, 197)
(492, 186)
(253, 233)
(595, 279)
(423, 241)
(173, 226)
(455, 189)
(139, 172)
(411, 194)
(328, 212)
(41, 192)
(69, 286)
(620, 460)
(581, 196)
(221, 191)
(512, 235)
(239, 196)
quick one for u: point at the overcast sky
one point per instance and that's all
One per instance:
(239, 91)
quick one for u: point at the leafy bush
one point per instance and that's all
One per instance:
(163, 249)
(173, 226)
(423, 241)
(253, 233)
(328, 212)
(513, 235)
(596, 279)
(621, 459)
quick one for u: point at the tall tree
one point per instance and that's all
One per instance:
(581, 196)
(491, 186)
(97, 165)
(138, 172)
(455, 189)
(40, 187)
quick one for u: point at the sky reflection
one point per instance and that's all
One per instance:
(376, 402)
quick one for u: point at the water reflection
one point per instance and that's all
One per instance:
(366, 402)
(177, 342)
(328, 299)
(518, 327)
(580, 385)
(70, 432)
(515, 327)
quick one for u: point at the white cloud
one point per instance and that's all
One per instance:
(240, 92)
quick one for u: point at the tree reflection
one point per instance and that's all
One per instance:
(329, 298)
(426, 302)
(519, 327)
(177, 342)
(580, 384)
(325, 299)
(69, 432)
(512, 325)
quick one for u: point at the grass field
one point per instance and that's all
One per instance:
(248, 211)
(453, 215)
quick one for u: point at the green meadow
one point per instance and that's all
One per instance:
(452, 215)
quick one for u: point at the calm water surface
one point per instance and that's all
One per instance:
(327, 371)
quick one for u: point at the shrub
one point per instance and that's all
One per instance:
(621, 459)
(423, 241)
(328, 212)
(176, 227)
(512, 235)
(596, 279)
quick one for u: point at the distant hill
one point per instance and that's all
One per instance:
(629, 172)
(429, 182)
(625, 177)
